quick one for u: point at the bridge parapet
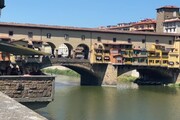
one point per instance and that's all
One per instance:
(67, 61)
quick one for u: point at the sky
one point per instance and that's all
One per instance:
(81, 13)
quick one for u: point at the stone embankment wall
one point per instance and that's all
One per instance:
(12, 110)
(28, 88)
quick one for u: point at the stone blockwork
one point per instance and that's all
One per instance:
(110, 77)
(106, 74)
(28, 88)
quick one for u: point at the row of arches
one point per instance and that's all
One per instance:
(67, 50)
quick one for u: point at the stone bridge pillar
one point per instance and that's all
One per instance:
(106, 74)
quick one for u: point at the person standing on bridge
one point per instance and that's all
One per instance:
(30, 44)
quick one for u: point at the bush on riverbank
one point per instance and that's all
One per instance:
(126, 78)
(174, 85)
(61, 72)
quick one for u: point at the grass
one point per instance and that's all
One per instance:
(61, 72)
(174, 85)
(126, 78)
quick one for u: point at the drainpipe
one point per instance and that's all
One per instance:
(41, 35)
(178, 49)
(145, 40)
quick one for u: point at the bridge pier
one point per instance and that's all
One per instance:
(106, 74)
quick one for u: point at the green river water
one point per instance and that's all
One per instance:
(124, 102)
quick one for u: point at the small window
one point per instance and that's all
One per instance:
(11, 33)
(157, 41)
(143, 40)
(170, 42)
(48, 35)
(30, 34)
(83, 37)
(129, 40)
(157, 61)
(99, 39)
(66, 37)
(114, 39)
(165, 61)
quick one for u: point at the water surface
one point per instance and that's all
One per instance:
(124, 102)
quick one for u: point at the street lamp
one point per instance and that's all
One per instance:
(1, 5)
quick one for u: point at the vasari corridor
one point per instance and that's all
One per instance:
(56, 71)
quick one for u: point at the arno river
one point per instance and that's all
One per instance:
(124, 102)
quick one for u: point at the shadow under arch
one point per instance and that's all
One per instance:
(82, 50)
(152, 75)
(88, 77)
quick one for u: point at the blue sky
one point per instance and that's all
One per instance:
(81, 13)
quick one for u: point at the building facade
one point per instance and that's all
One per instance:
(52, 38)
(165, 16)
(165, 13)
(172, 25)
(146, 25)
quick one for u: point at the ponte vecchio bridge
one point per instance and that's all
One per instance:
(100, 56)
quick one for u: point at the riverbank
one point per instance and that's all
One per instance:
(174, 84)
(126, 78)
(12, 110)
(60, 71)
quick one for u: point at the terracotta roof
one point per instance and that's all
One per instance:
(54, 27)
(168, 7)
(116, 27)
(145, 22)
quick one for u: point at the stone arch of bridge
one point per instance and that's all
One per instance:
(88, 77)
(82, 50)
(154, 73)
(49, 47)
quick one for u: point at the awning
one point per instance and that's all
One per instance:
(19, 50)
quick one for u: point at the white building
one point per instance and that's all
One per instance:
(172, 25)
(63, 50)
